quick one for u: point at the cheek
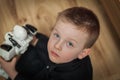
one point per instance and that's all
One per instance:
(67, 58)
(51, 43)
(70, 55)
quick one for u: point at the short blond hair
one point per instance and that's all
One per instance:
(83, 18)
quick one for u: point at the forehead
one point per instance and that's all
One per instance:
(70, 30)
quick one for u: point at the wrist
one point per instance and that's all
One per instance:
(13, 75)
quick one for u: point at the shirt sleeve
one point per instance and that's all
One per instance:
(20, 77)
(42, 39)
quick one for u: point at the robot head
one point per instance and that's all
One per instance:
(19, 32)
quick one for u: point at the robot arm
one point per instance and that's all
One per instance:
(17, 41)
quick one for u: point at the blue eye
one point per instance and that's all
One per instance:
(70, 44)
(56, 35)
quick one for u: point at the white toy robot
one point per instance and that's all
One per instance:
(16, 43)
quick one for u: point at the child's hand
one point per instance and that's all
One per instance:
(34, 41)
(9, 67)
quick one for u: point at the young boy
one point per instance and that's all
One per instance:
(65, 55)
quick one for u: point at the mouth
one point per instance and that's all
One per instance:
(54, 54)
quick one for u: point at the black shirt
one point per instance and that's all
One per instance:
(34, 64)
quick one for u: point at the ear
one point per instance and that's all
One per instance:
(84, 53)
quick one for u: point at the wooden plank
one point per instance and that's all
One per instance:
(42, 14)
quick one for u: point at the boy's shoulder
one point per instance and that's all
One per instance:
(42, 39)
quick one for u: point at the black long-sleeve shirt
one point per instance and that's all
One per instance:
(34, 64)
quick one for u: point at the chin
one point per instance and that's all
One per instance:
(54, 60)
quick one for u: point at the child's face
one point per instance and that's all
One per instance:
(66, 42)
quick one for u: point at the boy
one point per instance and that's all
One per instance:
(65, 55)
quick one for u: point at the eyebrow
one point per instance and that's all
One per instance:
(55, 29)
(74, 41)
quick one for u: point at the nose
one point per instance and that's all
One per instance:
(58, 45)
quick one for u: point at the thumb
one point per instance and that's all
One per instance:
(15, 59)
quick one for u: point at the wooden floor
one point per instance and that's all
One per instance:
(105, 53)
(2, 78)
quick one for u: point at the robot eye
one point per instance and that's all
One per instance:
(6, 47)
(14, 42)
